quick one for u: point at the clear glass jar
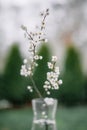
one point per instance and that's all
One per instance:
(44, 110)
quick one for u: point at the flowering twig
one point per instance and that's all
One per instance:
(34, 39)
(52, 81)
(27, 69)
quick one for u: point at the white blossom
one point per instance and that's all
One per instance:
(48, 92)
(54, 58)
(46, 40)
(36, 57)
(56, 86)
(60, 82)
(45, 86)
(41, 57)
(23, 70)
(49, 87)
(30, 88)
(46, 82)
(29, 68)
(57, 70)
(52, 81)
(50, 65)
(36, 64)
(29, 73)
(25, 61)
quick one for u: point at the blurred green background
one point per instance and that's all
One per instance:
(13, 86)
(66, 31)
(15, 99)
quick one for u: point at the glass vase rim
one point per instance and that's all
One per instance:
(41, 99)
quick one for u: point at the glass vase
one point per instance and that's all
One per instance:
(44, 110)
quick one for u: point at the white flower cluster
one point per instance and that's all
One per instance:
(30, 88)
(27, 70)
(52, 81)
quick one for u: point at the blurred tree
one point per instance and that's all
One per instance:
(1, 87)
(85, 90)
(71, 92)
(14, 84)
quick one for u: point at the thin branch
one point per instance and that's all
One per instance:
(34, 86)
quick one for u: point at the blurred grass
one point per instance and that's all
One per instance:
(67, 119)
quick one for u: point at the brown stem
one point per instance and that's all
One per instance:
(29, 35)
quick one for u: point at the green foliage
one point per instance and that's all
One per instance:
(85, 90)
(14, 84)
(42, 69)
(1, 87)
(71, 92)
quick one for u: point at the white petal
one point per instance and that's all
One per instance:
(60, 82)
(25, 61)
